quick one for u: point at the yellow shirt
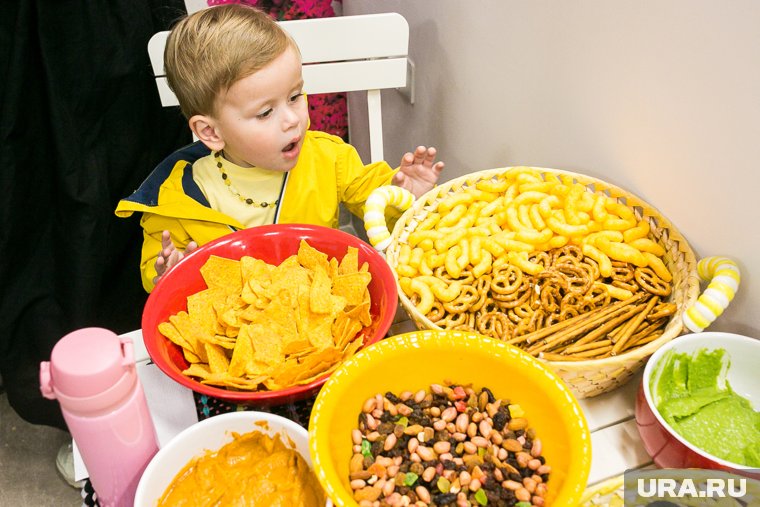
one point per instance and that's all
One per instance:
(261, 185)
(329, 172)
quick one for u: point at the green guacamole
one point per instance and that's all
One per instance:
(699, 404)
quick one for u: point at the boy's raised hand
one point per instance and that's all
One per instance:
(417, 172)
(169, 255)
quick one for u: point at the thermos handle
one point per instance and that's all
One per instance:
(46, 384)
(127, 351)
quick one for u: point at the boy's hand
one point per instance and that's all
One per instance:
(169, 255)
(417, 173)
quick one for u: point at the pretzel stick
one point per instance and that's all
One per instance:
(663, 310)
(642, 341)
(600, 327)
(608, 325)
(625, 336)
(617, 332)
(540, 333)
(586, 346)
(645, 330)
(573, 322)
(550, 356)
(595, 353)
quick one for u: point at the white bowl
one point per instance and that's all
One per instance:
(668, 448)
(211, 434)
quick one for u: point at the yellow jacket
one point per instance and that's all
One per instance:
(328, 172)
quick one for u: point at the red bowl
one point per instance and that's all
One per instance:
(272, 244)
(667, 448)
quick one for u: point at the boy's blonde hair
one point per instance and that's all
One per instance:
(208, 51)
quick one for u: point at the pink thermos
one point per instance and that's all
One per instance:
(92, 374)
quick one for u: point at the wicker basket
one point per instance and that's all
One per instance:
(592, 377)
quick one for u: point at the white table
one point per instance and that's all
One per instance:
(616, 445)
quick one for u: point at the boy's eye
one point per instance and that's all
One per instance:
(265, 114)
(295, 97)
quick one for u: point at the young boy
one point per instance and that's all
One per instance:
(237, 76)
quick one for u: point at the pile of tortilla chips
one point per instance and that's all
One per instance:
(259, 326)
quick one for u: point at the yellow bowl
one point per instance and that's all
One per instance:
(413, 361)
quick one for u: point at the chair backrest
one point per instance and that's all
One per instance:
(340, 54)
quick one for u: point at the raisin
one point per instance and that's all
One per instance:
(393, 398)
(499, 420)
(444, 499)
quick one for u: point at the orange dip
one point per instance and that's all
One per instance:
(253, 470)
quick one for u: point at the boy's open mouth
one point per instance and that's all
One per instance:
(290, 146)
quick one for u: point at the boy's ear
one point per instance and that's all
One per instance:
(204, 129)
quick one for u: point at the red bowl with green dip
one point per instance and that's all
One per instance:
(698, 404)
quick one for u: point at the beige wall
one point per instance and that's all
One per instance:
(661, 98)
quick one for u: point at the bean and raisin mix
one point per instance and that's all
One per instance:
(448, 446)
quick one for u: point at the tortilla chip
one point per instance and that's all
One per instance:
(350, 262)
(352, 287)
(319, 295)
(192, 331)
(310, 257)
(260, 326)
(217, 359)
(168, 330)
(222, 273)
(242, 354)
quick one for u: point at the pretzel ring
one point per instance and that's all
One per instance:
(598, 295)
(571, 299)
(523, 327)
(537, 320)
(513, 302)
(482, 287)
(465, 278)
(464, 301)
(488, 306)
(552, 319)
(524, 311)
(541, 258)
(569, 312)
(452, 321)
(630, 286)
(507, 279)
(551, 298)
(591, 267)
(552, 278)
(495, 325)
(650, 282)
(436, 312)
(622, 271)
(568, 251)
(577, 277)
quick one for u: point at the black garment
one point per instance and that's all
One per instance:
(81, 125)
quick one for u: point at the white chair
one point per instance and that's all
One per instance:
(341, 54)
